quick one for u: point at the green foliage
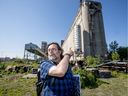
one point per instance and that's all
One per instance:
(109, 87)
(119, 74)
(123, 52)
(115, 56)
(87, 78)
(92, 61)
(2, 66)
(113, 46)
(89, 60)
(19, 61)
(21, 70)
(114, 73)
(17, 86)
(26, 87)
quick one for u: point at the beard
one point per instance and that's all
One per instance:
(52, 58)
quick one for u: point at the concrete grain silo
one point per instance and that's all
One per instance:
(87, 31)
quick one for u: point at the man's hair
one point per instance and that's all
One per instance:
(58, 46)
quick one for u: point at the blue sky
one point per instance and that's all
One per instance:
(25, 21)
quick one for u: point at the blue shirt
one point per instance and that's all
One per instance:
(56, 86)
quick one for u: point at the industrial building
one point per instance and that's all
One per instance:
(32, 51)
(86, 35)
(44, 46)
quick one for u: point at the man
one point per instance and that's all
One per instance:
(56, 72)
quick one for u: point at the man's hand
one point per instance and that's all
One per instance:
(69, 52)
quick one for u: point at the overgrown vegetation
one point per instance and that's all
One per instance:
(115, 56)
(92, 61)
(121, 51)
(14, 85)
(87, 78)
(116, 86)
(23, 66)
(2, 66)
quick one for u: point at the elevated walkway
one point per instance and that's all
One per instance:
(33, 48)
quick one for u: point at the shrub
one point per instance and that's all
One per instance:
(87, 78)
(114, 73)
(92, 61)
(2, 66)
(115, 56)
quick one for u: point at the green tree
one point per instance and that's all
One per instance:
(115, 56)
(113, 46)
(123, 52)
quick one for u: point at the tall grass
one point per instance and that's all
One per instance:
(12, 86)
(115, 86)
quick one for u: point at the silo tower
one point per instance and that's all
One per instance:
(87, 31)
(93, 33)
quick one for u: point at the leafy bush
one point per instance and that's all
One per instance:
(114, 73)
(2, 66)
(92, 61)
(87, 78)
(115, 56)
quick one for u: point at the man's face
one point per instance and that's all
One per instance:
(54, 53)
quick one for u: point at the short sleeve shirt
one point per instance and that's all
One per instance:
(56, 86)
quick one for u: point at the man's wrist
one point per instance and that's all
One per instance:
(67, 54)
